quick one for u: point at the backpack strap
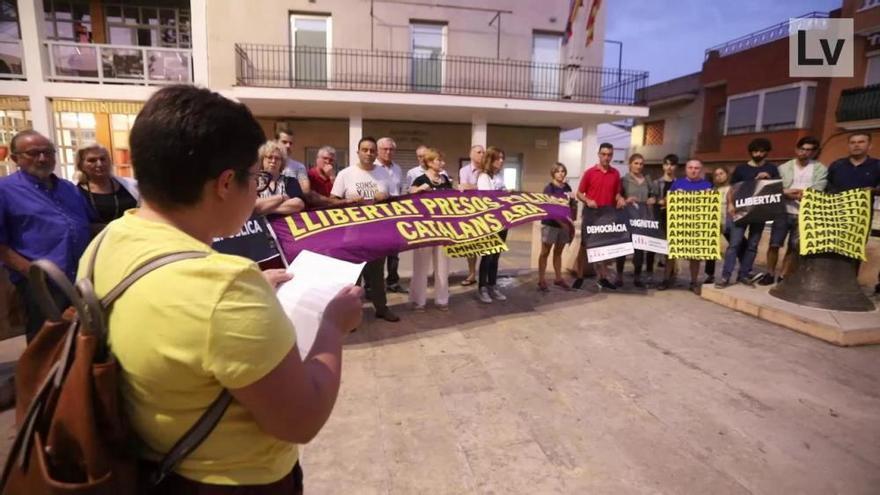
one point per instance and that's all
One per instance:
(212, 415)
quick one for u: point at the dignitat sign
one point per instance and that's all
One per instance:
(835, 223)
(436, 218)
(645, 229)
(694, 225)
(255, 241)
(606, 235)
(757, 201)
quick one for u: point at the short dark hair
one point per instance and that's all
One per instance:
(367, 138)
(21, 135)
(185, 136)
(760, 144)
(808, 140)
(283, 130)
(606, 145)
(859, 133)
(671, 158)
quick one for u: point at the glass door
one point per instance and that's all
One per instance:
(310, 51)
(546, 52)
(428, 47)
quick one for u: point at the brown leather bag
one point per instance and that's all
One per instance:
(73, 437)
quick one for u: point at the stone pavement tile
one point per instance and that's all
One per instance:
(514, 468)
(459, 373)
(347, 452)
(850, 320)
(452, 341)
(485, 419)
(408, 397)
(422, 457)
(403, 358)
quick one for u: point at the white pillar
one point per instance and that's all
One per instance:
(589, 146)
(30, 14)
(355, 133)
(199, 27)
(478, 130)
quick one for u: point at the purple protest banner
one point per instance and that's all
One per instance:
(372, 231)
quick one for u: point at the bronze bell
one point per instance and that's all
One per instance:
(827, 281)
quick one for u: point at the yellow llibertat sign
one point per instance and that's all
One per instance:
(835, 223)
(693, 225)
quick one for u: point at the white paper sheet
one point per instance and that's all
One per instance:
(316, 279)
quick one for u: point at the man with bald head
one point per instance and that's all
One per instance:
(41, 217)
(693, 180)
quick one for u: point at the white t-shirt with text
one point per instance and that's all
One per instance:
(353, 182)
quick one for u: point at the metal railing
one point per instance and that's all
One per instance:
(11, 60)
(859, 104)
(412, 72)
(758, 38)
(91, 62)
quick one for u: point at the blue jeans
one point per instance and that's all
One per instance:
(737, 239)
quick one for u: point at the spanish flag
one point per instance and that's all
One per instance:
(591, 20)
(572, 12)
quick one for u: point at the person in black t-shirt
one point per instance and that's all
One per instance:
(758, 168)
(108, 195)
(554, 235)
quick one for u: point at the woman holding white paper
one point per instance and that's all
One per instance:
(432, 180)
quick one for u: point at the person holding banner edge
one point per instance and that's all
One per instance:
(599, 186)
(385, 159)
(757, 168)
(721, 180)
(798, 174)
(692, 181)
(553, 235)
(467, 181)
(490, 180)
(636, 188)
(661, 187)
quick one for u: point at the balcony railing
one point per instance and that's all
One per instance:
(11, 56)
(758, 38)
(406, 72)
(90, 62)
(859, 104)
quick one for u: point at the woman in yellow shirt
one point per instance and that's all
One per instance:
(186, 331)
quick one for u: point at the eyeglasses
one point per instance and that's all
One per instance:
(47, 152)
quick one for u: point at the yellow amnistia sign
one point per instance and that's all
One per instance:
(491, 244)
(693, 225)
(835, 223)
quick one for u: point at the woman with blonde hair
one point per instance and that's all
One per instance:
(489, 179)
(432, 180)
(109, 196)
(278, 194)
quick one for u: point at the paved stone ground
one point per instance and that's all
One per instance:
(586, 392)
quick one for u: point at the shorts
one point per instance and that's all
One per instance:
(554, 235)
(782, 227)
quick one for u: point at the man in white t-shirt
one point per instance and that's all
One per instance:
(467, 180)
(385, 160)
(365, 181)
(798, 174)
(293, 168)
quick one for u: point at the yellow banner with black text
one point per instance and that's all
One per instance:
(693, 225)
(835, 223)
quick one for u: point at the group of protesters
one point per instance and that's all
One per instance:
(602, 186)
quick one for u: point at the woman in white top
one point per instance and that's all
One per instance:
(432, 180)
(490, 180)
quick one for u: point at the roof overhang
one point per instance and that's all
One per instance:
(323, 103)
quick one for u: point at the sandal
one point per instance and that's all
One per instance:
(542, 286)
(468, 281)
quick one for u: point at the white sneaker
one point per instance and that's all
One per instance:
(496, 294)
(483, 295)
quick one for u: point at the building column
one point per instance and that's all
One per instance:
(478, 130)
(30, 14)
(355, 133)
(589, 146)
(199, 39)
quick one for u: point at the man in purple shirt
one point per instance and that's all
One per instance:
(41, 217)
(692, 181)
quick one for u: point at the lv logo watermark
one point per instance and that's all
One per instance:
(820, 48)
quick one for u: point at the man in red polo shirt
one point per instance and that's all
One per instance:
(323, 173)
(600, 186)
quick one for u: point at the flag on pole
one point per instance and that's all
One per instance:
(572, 12)
(591, 20)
